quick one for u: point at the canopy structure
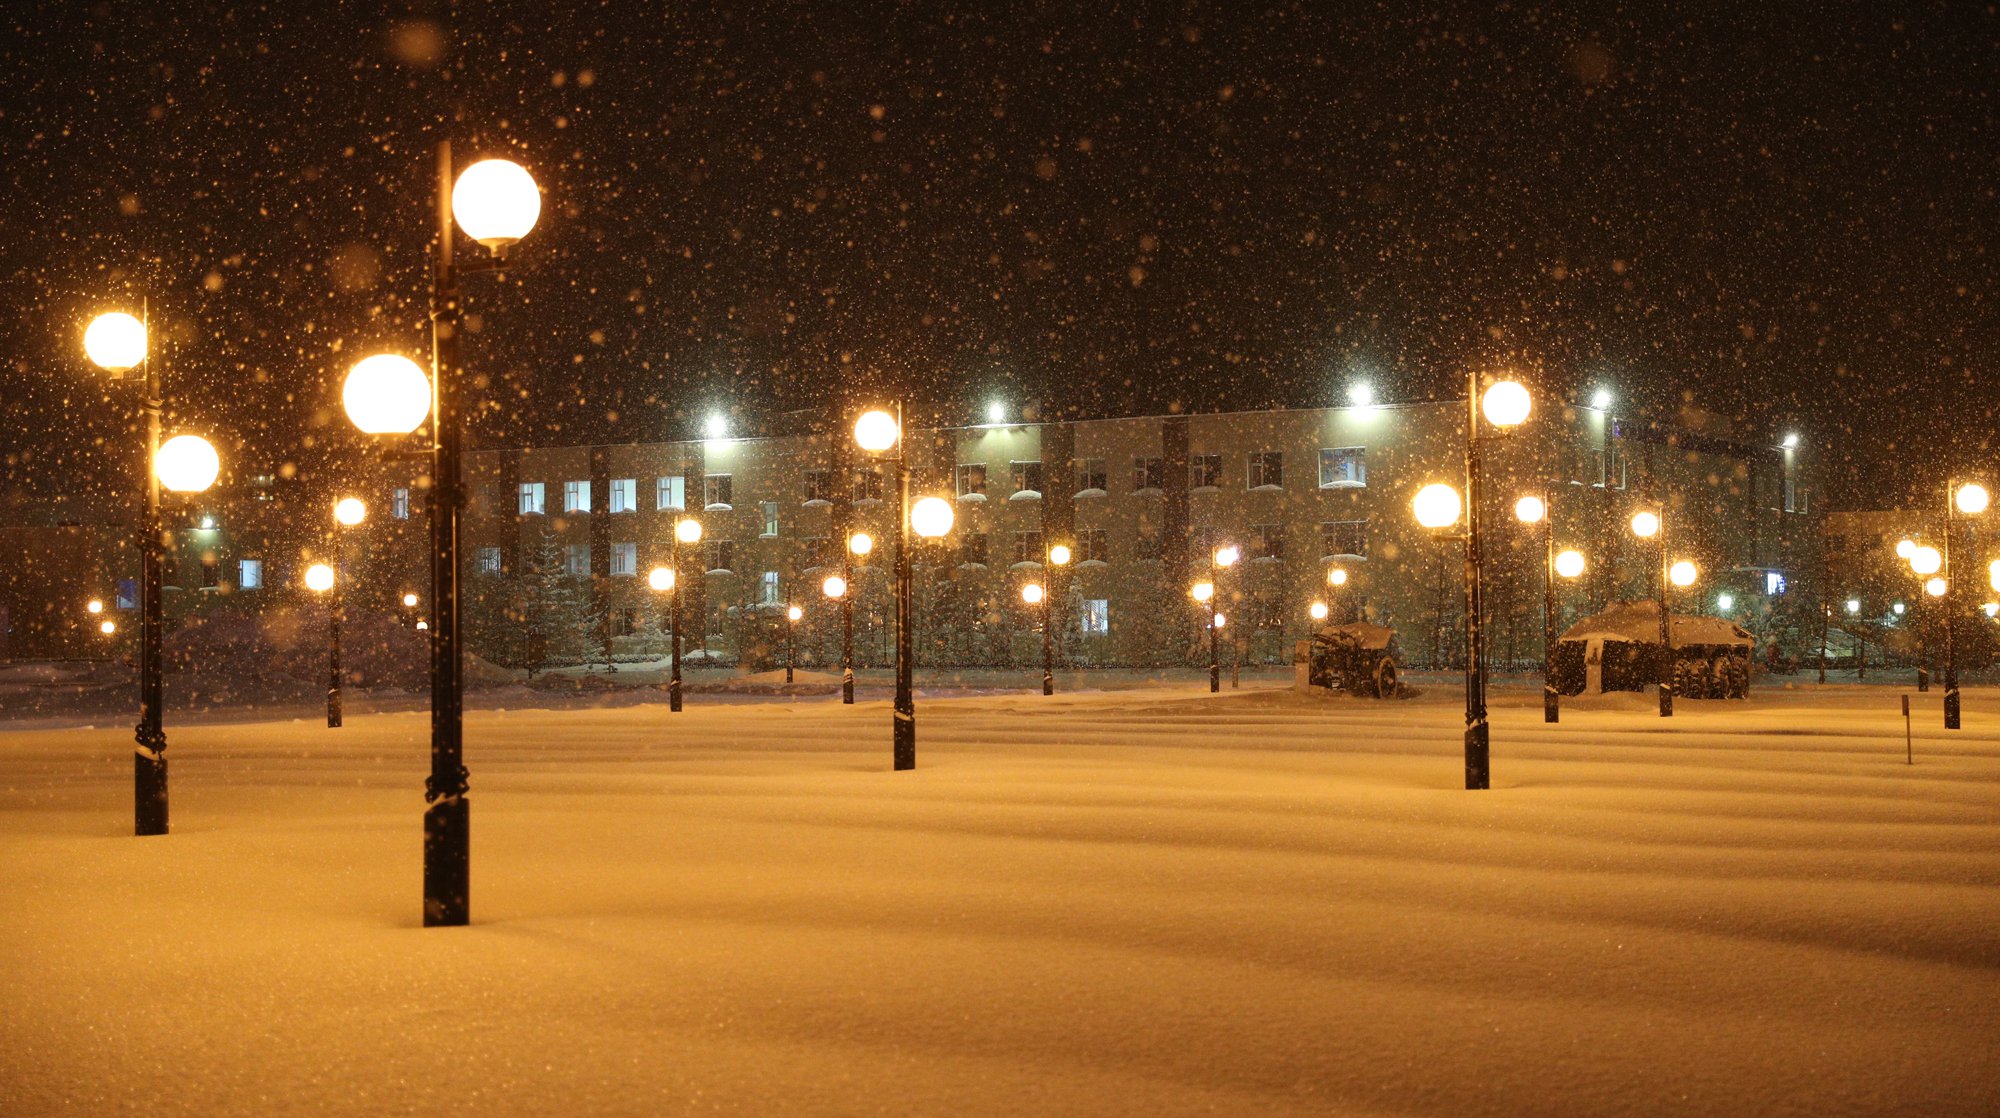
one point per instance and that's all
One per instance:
(1639, 623)
(1619, 649)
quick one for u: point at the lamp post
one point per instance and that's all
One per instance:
(321, 578)
(686, 531)
(1336, 585)
(1647, 525)
(117, 343)
(1505, 405)
(792, 615)
(347, 513)
(1204, 594)
(878, 433)
(1219, 559)
(1534, 509)
(858, 545)
(496, 203)
(1970, 499)
(1059, 557)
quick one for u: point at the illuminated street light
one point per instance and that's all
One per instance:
(931, 517)
(1600, 400)
(1032, 594)
(1506, 404)
(1854, 605)
(1533, 509)
(1791, 441)
(409, 601)
(1971, 498)
(1203, 591)
(834, 587)
(94, 606)
(1926, 560)
(860, 543)
(1437, 506)
(1936, 587)
(877, 432)
(118, 342)
(661, 579)
(996, 412)
(108, 626)
(687, 533)
(1905, 548)
(1682, 574)
(319, 578)
(1645, 525)
(349, 511)
(1059, 555)
(1361, 394)
(1336, 576)
(1725, 602)
(187, 464)
(718, 426)
(1569, 564)
(1968, 499)
(1317, 611)
(1227, 556)
(496, 202)
(792, 615)
(1530, 510)
(387, 394)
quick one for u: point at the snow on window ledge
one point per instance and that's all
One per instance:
(1091, 493)
(818, 503)
(718, 507)
(719, 571)
(981, 497)
(1343, 485)
(867, 502)
(972, 566)
(1092, 563)
(1025, 565)
(1205, 489)
(1149, 491)
(1026, 495)
(1345, 555)
(1267, 489)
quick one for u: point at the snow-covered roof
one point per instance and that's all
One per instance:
(1359, 633)
(1639, 623)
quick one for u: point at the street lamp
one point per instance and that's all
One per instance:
(118, 342)
(496, 203)
(1336, 585)
(687, 531)
(792, 615)
(1533, 509)
(1969, 499)
(1316, 611)
(1059, 556)
(1647, 525)
(1219, 559)
(878, 433)
(347, 513)
(321, 579)
(858, 546)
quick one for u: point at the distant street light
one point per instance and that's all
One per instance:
(348, 512)
(321, 579)
(687, 531)
(1059, 556)
(1569, 564)
(1647, 524)
(118, 342)
(1219, 559)
(1969, 499)
(495, 202)
(858, 546)
(1316, 611)
(94, 606)
(1682, 574)
(1533, 509)
(792, 615)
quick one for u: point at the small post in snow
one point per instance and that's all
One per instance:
(1909, 751)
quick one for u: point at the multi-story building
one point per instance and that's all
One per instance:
(1141, 503)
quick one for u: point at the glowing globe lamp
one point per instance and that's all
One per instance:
(496, 202)
(115, 341)
(1437, 506)
(387, 394)
(187, 464)
(931, 517)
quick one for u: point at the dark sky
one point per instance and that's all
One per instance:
(1781, 216)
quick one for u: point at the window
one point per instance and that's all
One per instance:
(721, 554)
(489, 560)
(399, 504)
(624, 559)
(211, 570)
(971, 480)
(1028, 478)
(767, 589)
(819, 485)
(1614, 465)
(717, 490)
(1094, 616)
(1267, 469)
(867, 484)
(1093, 545)
(1148, 473)
(1028, 547)
(819, 552)
(576, 496)
(624, 622)
(1343, 466)
(128, 593)
(1090, 476)
(1204, 471)
(1267, 541)
(1344, 538)
(531, 498)
(770, 518)
(671, 494)
(1774, 583)
(576, 560)
(972, 551)
(625, 494)
(1794, 497)
(250, 574)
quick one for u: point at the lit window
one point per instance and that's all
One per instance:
(625, 494)
(249, 574)
(576, 496)
(770, 518)
(399, 504)
(1095, 616)
(1774, 583)
(531, 498)
(1343, 467)
(767, 589)
(671, 494)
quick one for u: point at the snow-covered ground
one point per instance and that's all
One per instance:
(1147, 901)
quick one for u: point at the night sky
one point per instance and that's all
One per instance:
(1781, 216)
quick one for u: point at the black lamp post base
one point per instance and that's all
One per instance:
(149, 794)
(1666, 700)
(1551, 704)
(674, 696)
(1951, 706)
(1923, 679)
(905, 740)
(1214, 678)
(1048, 683)
(1477, 748)
(847, 686)
(447, 862)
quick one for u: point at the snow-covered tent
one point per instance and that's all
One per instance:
(1619, 649)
